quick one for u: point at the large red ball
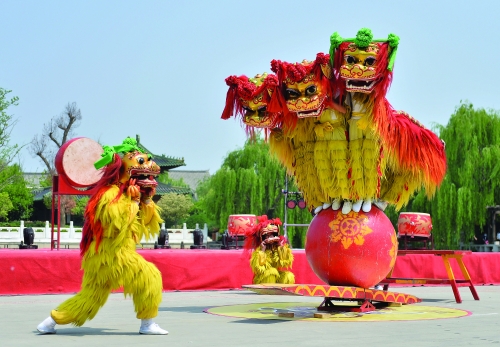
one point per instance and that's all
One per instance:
(354, 249)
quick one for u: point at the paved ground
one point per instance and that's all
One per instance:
(182, 314)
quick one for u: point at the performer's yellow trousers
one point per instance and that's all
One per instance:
(112, 268)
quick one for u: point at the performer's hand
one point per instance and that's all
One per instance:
(263, 247)
(133, 191)
(148, 197)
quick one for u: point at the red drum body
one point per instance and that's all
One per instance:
(413, 224)
(239, 224)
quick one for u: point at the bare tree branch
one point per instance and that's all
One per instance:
(50, 130)
(69, 120)
(39, 147)
(55, 132)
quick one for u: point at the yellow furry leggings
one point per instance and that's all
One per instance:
(106, 272)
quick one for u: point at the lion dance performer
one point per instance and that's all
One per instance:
(315, 130)
(247, 99)
(391, 154)
(117, 216)
(271, 256)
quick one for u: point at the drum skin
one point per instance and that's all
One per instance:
(75, 161)
(354, 249)
(238, 224)
(414, 224)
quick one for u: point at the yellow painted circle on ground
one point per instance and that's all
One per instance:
(305, 312)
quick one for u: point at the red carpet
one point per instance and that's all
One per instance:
(40, 271)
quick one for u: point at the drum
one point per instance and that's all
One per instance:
(75, 161)
(414, 224)
(238, 224)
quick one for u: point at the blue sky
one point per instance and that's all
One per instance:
(157, 68)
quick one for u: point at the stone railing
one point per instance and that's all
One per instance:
(71, 236)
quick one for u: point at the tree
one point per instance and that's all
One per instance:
(5, 205)
(472, 182)
(79, 209)
(20, 196)
(164, 178)
(15, 198)
(45, 146)
(55, 133)
(198, 216)
(80, 206)
(250, 181)
(7, 123)
(174, 208)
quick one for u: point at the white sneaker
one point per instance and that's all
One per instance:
(152, 329)
(47, 326)
(379, 287)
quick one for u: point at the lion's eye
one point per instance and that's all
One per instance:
(140, 160)
(370, 61)
(311, 90)
(349, 59)
(292, 93)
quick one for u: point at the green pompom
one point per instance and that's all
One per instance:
(363, 38)
(130, 141)
(335, 41)
(107, 150)
(393, 40)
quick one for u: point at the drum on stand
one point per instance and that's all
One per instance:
(415, 227)
(237, 226)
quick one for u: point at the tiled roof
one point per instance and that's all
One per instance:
(163, 188)
(39, 193)
(167, 163)
(164, 162)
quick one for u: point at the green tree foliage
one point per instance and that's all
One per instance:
(472, 182)
(198, 216)
(250, 181)
(80, 205)
(16, 199)
(7, 151)
(174, 208)
(13, 184)
(164, 178)
(5, 205)
(79, 209)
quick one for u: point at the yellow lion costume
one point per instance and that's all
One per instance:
(271, 258)
(116, 218)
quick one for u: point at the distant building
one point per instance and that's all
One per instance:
(191, 178)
